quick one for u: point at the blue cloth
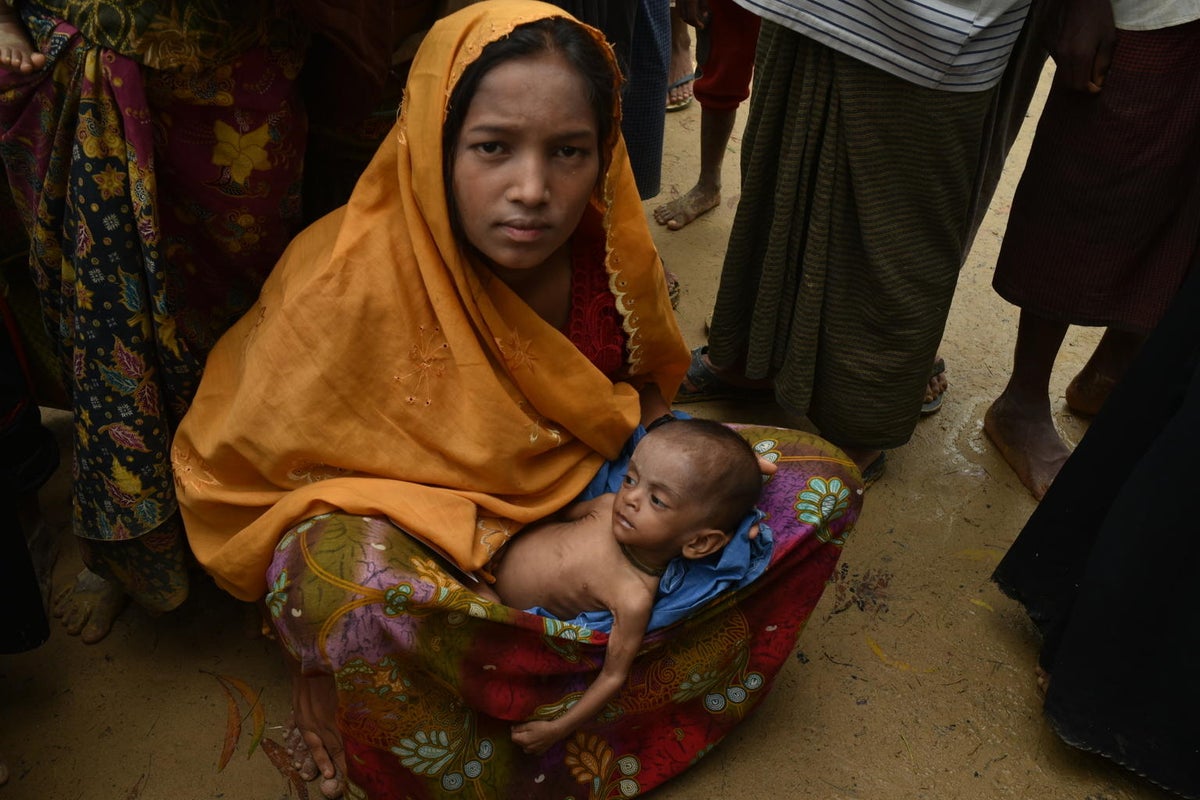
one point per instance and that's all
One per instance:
(688, 583)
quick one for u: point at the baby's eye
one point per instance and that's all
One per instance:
(658, 501)
(628, 480)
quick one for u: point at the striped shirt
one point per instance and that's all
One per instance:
(955, 45)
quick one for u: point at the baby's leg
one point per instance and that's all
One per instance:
(16, 49)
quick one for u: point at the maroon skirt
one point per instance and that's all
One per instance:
(1107, 213)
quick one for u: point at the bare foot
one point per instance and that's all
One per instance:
(1088, 390)
(89, 608)
(314, 706)
(1029, 442)
(935, 388)
(16, 49)
(685, 208)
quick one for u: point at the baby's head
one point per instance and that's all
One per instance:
(689, 485)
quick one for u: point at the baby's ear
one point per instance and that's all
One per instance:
(704, 542)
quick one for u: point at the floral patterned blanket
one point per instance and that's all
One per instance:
(431, 676)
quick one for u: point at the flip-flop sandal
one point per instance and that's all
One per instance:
(674, 290)
(927, 408)
(680, 105)
(701, 384)
(874, 470)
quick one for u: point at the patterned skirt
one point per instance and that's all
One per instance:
(430, 676)
(857, 195)
(155, 201)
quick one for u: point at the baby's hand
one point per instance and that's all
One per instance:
(535, 737)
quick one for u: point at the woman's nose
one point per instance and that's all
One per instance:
(529, 186)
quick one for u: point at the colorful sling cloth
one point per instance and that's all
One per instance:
(430, 676)
(385, 372)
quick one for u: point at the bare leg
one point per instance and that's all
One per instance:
(716, 126)
(1019, 421)
(16, 49)
(681, 61)
(89, 608)
(314, 706)
(1088, 390)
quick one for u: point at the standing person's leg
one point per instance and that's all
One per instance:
(726, 52)
(1102, 229)
(1019, 422)
(1088, 390)
(681, 76)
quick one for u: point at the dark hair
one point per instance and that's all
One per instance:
(551, 35)
(725, 472)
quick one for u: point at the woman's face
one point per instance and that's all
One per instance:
(526, 161)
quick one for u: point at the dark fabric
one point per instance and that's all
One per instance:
(1107, 214)
(1010, 105)
(28, 456)
(844, 254)
(1106, 567)
(640, 33)
(725, 55)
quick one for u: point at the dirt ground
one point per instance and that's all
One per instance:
(913, 679)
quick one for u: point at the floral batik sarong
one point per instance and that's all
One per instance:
(430, 676)
(159, 182)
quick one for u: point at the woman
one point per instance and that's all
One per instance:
(462, 346)
(1106, 567)
(452, 355)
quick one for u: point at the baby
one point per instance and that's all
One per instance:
(689, 484)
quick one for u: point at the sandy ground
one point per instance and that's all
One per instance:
(913, 679)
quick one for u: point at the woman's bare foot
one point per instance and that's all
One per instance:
(89, 608)
(683, 209)
(314, 709)
(1028, 441)
(17, 53)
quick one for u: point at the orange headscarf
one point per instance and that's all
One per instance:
(384, 372)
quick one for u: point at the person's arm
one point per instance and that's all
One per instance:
(652, 402)
(536, 736)
(1082, 44)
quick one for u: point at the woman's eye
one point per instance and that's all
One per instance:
(569, 151)
(488, 148)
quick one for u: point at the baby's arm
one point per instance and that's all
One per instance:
(629, 627)
(16, 50)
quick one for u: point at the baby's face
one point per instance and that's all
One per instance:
(656, 509)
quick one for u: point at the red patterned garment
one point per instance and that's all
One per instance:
(594, 326)
(430, 676)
